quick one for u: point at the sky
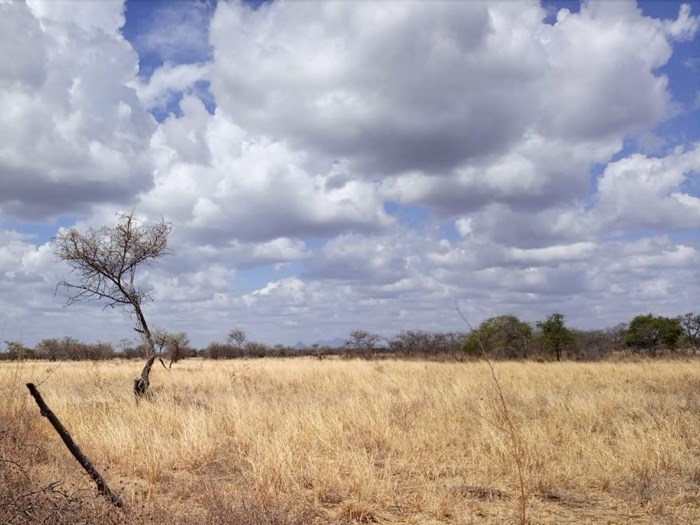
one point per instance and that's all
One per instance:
(330, 166)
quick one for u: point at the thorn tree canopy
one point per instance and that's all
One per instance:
(105, 261)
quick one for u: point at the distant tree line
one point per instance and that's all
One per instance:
(500, 337)
(507, 337)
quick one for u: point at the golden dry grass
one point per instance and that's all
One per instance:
(308, 441)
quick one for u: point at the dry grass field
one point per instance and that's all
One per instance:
(291, 442)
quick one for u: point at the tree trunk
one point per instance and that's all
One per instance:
(142, 383)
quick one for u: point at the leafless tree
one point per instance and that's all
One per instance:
(363, 342)
(174, 344)
(691, 326)
(178, 345)
(104, 262)
(237, 336)
(160, 339)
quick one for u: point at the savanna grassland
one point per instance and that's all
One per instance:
(297, 441)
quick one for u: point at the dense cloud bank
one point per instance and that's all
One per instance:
(335, 165)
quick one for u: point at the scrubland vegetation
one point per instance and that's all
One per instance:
(297, 441)
(500, 337)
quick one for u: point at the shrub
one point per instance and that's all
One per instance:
(502, 336)
(649, 332)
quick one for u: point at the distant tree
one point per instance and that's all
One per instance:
(101, 350)
(73, 349)
(650, 332)
(618, 334)
(215, 351)
(105, 261)
(446, 344)
(419, 342)
(594, 344)
(691, 326)
(160, 339)
(556, 336)
(255, 349)
(178, 345)
(410, 342)
(363, 342)
(504, 334)
(16, 351)
(124, 344)
(134, 352)
(170, 345)
(50, 349)
(237, 337)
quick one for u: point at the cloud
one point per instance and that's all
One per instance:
(21, 32)
(595, 59)
(290, 291)
(105, 16)
(19, 255)
(222, 184)
(355, 92)
(366, 258)
(647, 192)
(172, 40)
(70, 124)
(520, 142)
(684, 27)
(504, 107)
(169, 82)
(274, 251)
(237, 254)
(28, 277)
(595, 284)
(312, 154)
(552, 255)
(191, 287)
(535, 174)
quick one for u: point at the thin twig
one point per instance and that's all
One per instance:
(49, 375)
(517, 447)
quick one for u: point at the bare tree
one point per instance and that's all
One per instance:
(178, 346)
(237, 336)
(363, 342)
(174, 344)
(105, 261)
(691, 326)
(160, 341)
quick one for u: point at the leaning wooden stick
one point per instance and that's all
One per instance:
(102, 486)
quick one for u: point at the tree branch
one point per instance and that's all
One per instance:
(74, 449)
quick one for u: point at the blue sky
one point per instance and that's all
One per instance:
(355, 165)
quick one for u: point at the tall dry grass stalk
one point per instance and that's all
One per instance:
(508, 429)
(309, 441)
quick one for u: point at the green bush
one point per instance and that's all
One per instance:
(649, 332)
(505, 335)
